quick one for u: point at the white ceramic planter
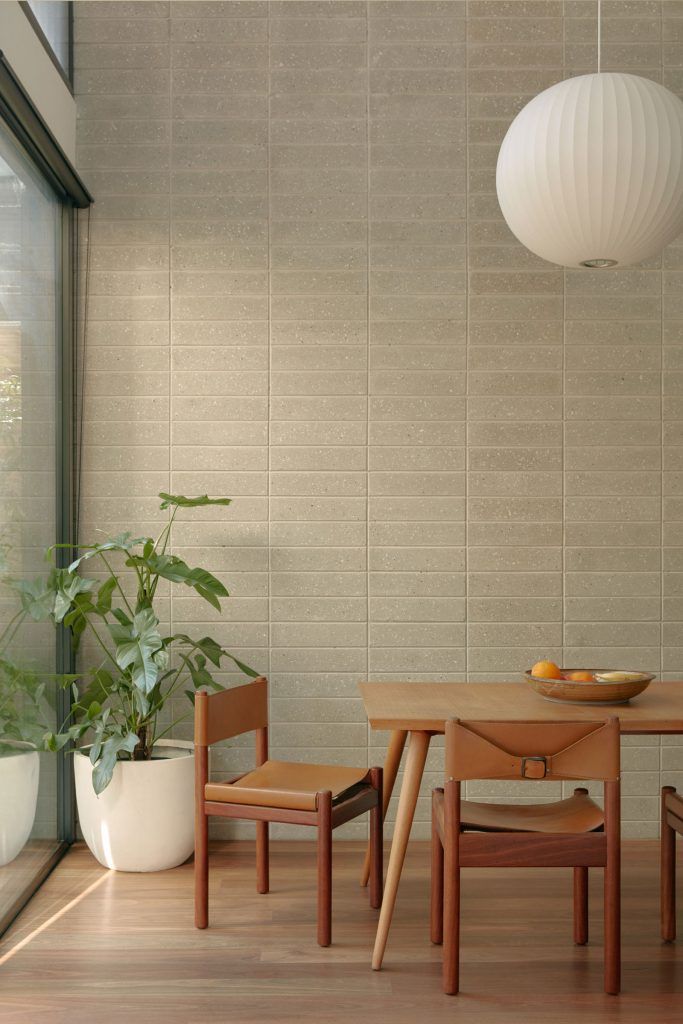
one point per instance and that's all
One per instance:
(19, 774)
(144, 820)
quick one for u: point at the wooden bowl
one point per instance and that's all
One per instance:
(567, 691)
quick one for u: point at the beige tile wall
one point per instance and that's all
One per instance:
(447, 457)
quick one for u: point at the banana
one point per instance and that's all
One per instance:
(618, 677)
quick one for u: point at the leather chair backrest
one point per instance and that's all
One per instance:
(220, 716)
(533, 750)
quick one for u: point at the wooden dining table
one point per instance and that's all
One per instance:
(421, 710)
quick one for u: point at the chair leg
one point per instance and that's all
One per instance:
(667, 878)
(436, 915)
(201, 869)
(376, 842)
(581, 906)
(612, 890)
(581, 896)
(612, 930)
(324, 804)
(451, 895)
(262, 857)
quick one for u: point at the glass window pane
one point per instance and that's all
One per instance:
(53, 18)
(29, 286)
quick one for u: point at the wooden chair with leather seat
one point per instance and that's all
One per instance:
(672, 822)
(324, 796)
(573, 832)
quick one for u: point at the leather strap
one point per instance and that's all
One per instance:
(493, 761)
(585, 758)
(592, 757)
(535, 766)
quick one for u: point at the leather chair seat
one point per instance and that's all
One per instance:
(577, 814)
(287, 784)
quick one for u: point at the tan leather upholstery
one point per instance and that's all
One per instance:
(577, 814)
(234, 711)
(286, 784)
(532, 750)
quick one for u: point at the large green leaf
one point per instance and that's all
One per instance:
(100, 688)
(104, 595)
(170, 567)
(174, 569)
(211, 648)
(108, 755)
(251, 672)
(207, 586)
(77, 619)
(24, 702)
(123, 542)
(183, 502)
(136, 646)
(56, 741)
(121, 617)
(50, 596)
(214, 652)
(37, 596)
(207, 645)
(67, 587)
(200, 674)
(142, 704)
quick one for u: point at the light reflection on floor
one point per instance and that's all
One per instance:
(54, 917)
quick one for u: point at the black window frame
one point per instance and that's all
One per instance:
(35, 138)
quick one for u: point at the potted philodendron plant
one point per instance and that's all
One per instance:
(134, 785)
(22, 727)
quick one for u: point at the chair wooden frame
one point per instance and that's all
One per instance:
(244, 709)
(453, 848)
(672, 823)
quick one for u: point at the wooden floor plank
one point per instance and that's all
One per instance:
(128, 948)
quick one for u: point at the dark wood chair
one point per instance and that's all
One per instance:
(672, 822)
(568, 833)
(324, 796)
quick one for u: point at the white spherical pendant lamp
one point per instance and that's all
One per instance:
(590, 172)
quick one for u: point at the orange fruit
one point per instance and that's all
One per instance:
(546, 670)
(580, 676)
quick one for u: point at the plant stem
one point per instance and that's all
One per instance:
(118, 584)
(15, 630)
(171, 726)
(141, 582)
(166, 535)
(171, 690)
(103, 645)
(21, 615)
(166, 532)
(142, 752)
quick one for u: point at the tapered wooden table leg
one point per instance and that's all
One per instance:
(392, 761)
(412, 777)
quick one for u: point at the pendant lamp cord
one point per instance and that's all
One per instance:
(599, 34)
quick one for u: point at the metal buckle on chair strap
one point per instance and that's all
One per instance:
(535, 767)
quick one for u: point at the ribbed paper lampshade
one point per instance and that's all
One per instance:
(590, 172)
